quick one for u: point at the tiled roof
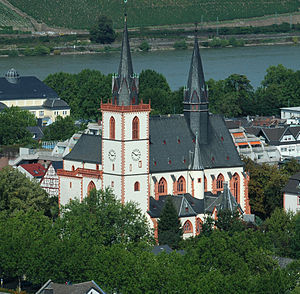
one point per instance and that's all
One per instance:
(87, 149)
(35, 169)
(26, 88)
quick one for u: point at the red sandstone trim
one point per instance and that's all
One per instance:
(130, 108)
(122, 157)
(81, 172)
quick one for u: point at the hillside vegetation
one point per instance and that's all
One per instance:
(81, 14)
(10, 18)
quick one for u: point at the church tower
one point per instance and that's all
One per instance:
(125, 134)
(196, 98)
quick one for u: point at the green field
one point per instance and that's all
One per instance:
(81, 14)
(10, 18)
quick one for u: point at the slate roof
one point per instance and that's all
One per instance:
(35, 169)
(2, 106)
(186, 205)
(172, 144)
(274, 135)
(57, 165)
(26, 88)
(87, 149)
(293, 185)
(56, 104)
(196, 88)
(80, 288)
(225, 201)
(37, 132)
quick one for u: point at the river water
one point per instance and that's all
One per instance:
(174, 65)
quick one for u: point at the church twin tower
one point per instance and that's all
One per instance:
(125, 126)
(148, 159)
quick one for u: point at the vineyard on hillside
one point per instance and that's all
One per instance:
(81, 14)
(10, 18)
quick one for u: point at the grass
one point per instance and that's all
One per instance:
(81, 14)
(10, 18)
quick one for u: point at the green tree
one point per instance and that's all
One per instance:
(62, 129)
(231, 97)
(280, 228)
(296, 238)
(103, 32)
(19, 193)
(83, 91)
(26, 246)
(265, 186)
(13, 124)
(229, 221)
(169, 227)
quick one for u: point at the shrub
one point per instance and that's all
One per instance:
(56, 52)
(180, 45)
(13, 53)
(41, 50)
(144, 46)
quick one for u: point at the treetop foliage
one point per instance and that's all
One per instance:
(169, 226)
(19, 193)
(103, 32)
(100, 239)
(62, 129)
(231, 97)
(13, 124)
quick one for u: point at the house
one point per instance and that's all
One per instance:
(253, 147)
(68, 288)
(291, 194)
(49, 182)
(291, 115)
(145, 158)
(30, 93)
(33, 170)
(286, 139)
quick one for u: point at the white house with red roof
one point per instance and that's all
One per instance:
(33, 170)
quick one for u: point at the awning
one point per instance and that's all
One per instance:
(255, 143)
(242, 143)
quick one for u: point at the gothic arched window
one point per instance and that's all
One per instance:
(220, 181)
(198, 225)
(136, 186)
(187, 227)
(135, 128)
(205, 184)
(181, 187)
(112, 128)
(91, 186)
(236, 186)
(162, 187)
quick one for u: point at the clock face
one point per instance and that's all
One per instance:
(112, 155)
(136, 154)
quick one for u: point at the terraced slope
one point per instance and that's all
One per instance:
(11, 18)
(80, 14)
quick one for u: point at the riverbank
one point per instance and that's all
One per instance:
(83, 46)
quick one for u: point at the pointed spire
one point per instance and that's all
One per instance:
(227, 201)
(125, 84)
(125, 67)
(197, 162)
(196, 90)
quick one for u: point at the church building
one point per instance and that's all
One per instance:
(189, 158)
